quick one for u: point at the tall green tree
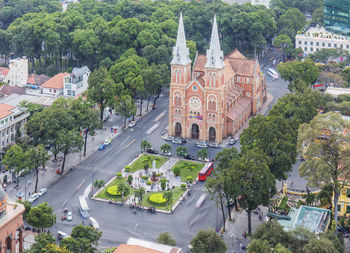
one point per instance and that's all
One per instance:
(41, 216)
(14, 159)
(69, 142)
(125, 106)
(40, 242)
(102, 89)
(256, 183)
(84, 239)
(324, 145)
(35, 158)
(166, 238)
(207, 242)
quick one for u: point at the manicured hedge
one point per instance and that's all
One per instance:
(113, 190)
(157, 198)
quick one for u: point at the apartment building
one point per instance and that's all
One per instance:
(76, 82)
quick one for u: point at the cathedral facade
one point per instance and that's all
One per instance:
(213, 98)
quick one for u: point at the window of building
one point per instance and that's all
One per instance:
(341, 45)
(323, 44)
(7, 140)
(311, 43)
(335, 45)
(338, 208)
(305, 48)
(209, 116)
(317, 49)
(73, 92)
(7, 131)
(50, 90)
(194, 87)
(11, 129)
(248, 80)
(54, 91)
(317, 43)
(3, 133)
(2, 122)
(348, 209)
(6, 120)
(305, 42)
(311, 49)
(329, 44)
(69, 92)
(299, 42)
(347, 46)
(213, 116)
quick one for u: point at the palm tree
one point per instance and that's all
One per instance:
(140, 193)
(168, 195)
(145, 145)
(165, 148)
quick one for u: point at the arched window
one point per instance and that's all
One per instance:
(213, 116)
(175, 112)
(209, 116)
(179, 112)
(214, 79)
(180, 76)
(180, 101)
(211, 102)
(191, 112)
(176, 76)
(210, 79)
(209, 105)
(214, 105)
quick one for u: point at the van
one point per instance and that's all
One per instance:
(273, 73)
(93, 223)
(61, 235)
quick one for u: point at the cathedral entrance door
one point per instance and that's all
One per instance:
(178, 129)
(195, 131)
(212, 134)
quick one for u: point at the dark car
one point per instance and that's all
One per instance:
(152, 151)
(189, 157)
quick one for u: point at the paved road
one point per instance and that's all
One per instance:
(118, 223)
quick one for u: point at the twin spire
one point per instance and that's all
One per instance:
(181, 53)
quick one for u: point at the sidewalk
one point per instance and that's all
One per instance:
(48, 177)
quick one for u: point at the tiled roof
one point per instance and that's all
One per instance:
(55, 82)
(235, 54)
(4, 71)
(5, 110)
(200, 62)
(240, 108)
(8, 90)
(242, 67)
(125, 248)
(37, 79)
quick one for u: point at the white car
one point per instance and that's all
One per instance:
(33, 197)
(132, 123)
(41, 191)
(69, 216)
(202, 144)
(107, 142)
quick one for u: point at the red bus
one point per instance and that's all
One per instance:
(205, 171)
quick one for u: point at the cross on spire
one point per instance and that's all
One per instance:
(215, 57)
(181, 52)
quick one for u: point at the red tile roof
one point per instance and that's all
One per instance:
(37, 79)
(242, 67)
(200, 62)
(240, 108)
(9, 90)
(55, 82)
(5, 110)
(235, 54)
(126, 248)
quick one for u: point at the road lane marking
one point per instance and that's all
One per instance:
(160, 116)
(124, 141)
(131, 142)
(154, 127)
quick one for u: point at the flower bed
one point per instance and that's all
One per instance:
(177, 192)
(113, 190)
(109, 191)
(157, 198)
(147, 158)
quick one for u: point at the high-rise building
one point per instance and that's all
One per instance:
(337, 16)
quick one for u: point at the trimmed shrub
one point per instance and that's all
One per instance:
(149, 182)
(189, 179)
(157, 198)
(183, 186)
(176, 171)
(163, 180)
(158, 174)
(118, 174)
(113, 190)
(144, 177)
(130, 178)
(127, 169)
(163, 185)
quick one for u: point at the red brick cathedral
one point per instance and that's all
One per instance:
(212, 99)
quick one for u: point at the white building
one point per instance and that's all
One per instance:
(11, 119)
(76, 82)
(18, 72)
(335, 92)
(261, 2)
(315, 38)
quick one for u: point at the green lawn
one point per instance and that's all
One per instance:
(104, 195)
(188, 168)
(146, 158)
(177, 192)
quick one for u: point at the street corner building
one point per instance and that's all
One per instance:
(11, 225)
(212, 99)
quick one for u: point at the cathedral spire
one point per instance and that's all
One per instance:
(215, 57)
(181, 53)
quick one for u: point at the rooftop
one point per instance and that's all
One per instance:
(55, 82)
(335, 92)
(156, 247)
(125, 248)
(321, 32)
(312, 218)
(6, 110)
(36, 79)
(15, 99)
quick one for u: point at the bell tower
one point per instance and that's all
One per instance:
(180, 76)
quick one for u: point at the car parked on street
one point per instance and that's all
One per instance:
(189, 157)
(232, 141)
(107, 142)
(201, 144)
(152, 151)
(102, 147)
(177, 141)
(132, 123)
(213, 145)
(33, 197)
(41, 191)
(169, 138)
(61, 235)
